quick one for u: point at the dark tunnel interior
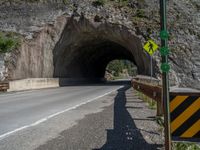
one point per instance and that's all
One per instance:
(90, 60)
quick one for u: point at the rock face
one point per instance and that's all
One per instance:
(78, 39)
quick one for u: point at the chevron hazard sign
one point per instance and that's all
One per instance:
(185, 117)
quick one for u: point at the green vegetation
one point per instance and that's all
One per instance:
(8, 42)
(65, 1)
(119, 67)
(32, 1)
(185, 146)
(13, 1)
(140, 13)
(97, 3)
(151, 102)
(120, 3)
(123, 3)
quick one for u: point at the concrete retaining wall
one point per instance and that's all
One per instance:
(41, 83)
(33, 83)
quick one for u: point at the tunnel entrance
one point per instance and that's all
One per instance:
(91, 59)
(85, 49)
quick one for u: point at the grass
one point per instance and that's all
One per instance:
(150, 101)
(185, 146)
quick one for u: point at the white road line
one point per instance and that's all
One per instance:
(3, 136)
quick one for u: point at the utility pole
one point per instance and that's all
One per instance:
(165, 67)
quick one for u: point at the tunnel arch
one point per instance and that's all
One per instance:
(85, 49)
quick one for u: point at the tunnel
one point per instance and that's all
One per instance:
(86, 47)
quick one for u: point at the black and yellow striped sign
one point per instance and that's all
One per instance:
(185, 117)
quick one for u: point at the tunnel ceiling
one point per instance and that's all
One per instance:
(85, 49)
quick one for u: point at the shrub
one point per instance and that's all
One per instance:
(97, 3)
(123, 3)
(65, 1)
(8, 42)
(140, 13)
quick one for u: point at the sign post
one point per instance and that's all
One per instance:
(165, 67)
(151, 67)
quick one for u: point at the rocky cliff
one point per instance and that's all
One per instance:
(47, 27)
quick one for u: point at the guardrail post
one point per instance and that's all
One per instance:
(159, 108)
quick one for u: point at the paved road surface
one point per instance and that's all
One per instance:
(77, 118)
(18, 110)
(125, 124)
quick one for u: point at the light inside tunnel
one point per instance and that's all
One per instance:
(120, 69)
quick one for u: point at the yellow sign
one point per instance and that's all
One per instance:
(185, 113)
(150, 47)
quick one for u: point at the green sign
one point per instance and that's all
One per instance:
(165, 67)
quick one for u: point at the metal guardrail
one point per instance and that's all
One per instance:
(147, 80)
(184, 107)
(150, 89)
(4, 86)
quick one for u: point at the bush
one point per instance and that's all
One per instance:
(116, 67)
(123, 3)
(97, 3)
(8, 43)
(65, 1)
(140, 13)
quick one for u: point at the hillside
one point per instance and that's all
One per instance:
(39, 24)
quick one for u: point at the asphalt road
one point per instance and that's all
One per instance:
(96, 117)
(21, 110)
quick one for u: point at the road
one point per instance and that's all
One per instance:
(19, 110)
(76, 117)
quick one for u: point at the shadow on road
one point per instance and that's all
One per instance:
(125, 135)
